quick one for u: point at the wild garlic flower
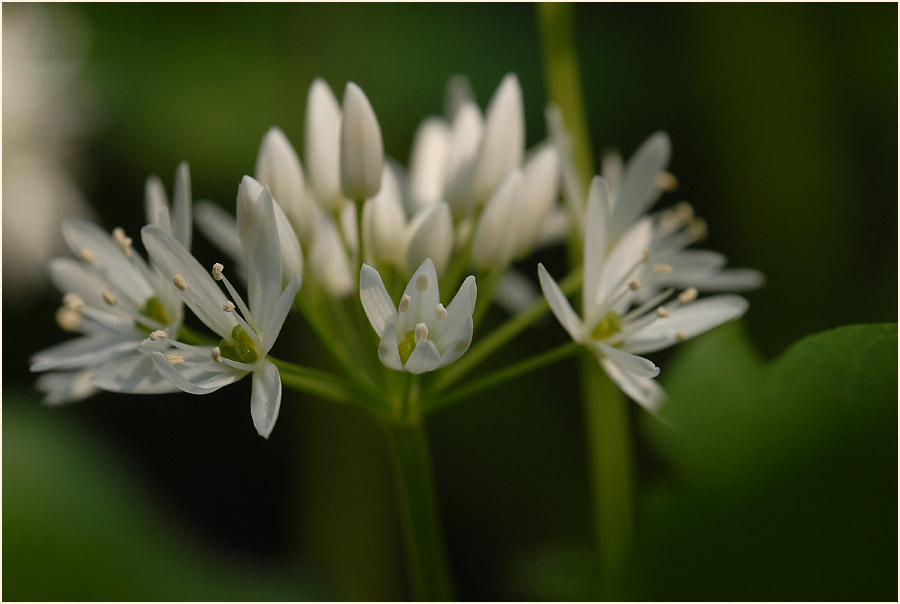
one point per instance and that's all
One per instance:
(114, 299)
(248, 330)
(419, 334)
(613, 325)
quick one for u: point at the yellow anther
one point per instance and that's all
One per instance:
(179, 282)
(634, 285)
(157, 335)
(440, 312)
(688, 295)
(68, 319)
(217, 271)
(87, 255)
(681, 336)
(228, 306)
(217, 354)
(175, 358)
(666, 181)
(73, 302)
(123, 240)
(662, 312)
(405, 302)
(662, 268)
(109, 298)
(421, 332)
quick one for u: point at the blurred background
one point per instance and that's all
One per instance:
(784, 140)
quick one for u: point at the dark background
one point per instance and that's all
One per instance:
(782, 119)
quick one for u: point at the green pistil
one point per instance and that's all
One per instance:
(607, 326)
(241, 348)
(407, 346)
(155, 310)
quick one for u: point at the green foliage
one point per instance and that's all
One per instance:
(78, 526)
(785, 473)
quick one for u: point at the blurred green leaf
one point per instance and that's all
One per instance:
(78, 526)
(784, 483)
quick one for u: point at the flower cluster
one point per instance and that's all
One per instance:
(351, 221)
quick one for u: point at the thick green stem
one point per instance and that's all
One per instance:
(605, 408)
(562, 73)
(426, 559)
(610, 467)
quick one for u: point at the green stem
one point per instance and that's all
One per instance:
(561, 71)
(506, 374)
(428, 570)
(500, 336)
(609, 445)
(326, 385)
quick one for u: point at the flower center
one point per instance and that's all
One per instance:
(407, 346)
(608, 326)
(241, 348)
(155, 310)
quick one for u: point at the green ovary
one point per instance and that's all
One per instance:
(406, 346)
(241, 348)
(607, 326)
(155, 310)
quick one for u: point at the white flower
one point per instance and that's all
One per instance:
(420, 334)
(248, 335)
(114, 299)
(384, 221)
(635, 187)
(362, 151)
(610, 327)
(322, 149)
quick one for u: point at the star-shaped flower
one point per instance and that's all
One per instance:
(247, 335)
(419, 334)
(612, 326)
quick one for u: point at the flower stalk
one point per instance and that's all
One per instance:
(414, 482)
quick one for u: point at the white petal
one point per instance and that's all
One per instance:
(540, 189)
(181, 209)
(279, 168)
(425, 295)
(460, 345)
(686, 322)
(155, 199)
(384, 220)
(559, 304)
(459, 92)
(466, 134)
(134, 375)
(261, 243)
(375, 299)
(60, 387)
(388, 352)
(192, 381)
(428, 163)
(515, 292)
(642, 390)
(424, 358)
(328, 259)
(626, 254)
(430, 235)
(639, 189)
(503, 144)
(202, 295)
(265, 398)
(71, 276)
(596, 217)
(632, 364)
(734, 279)
(447, 330)
(220, 228)
(688, 266)
(496, 234)
(85, 351)
(362, 151)
(108, 259)
(279, 313)
(322, 148)
(571, 185)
